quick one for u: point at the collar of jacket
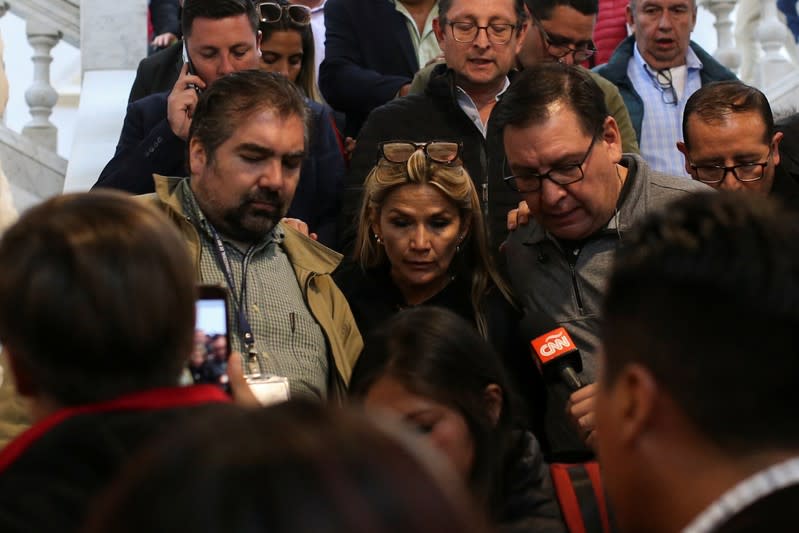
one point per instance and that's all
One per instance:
(304, 253)
(442, 81)
(616, 68)
(624, 214)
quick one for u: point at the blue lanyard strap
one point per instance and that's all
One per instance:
(239, 300)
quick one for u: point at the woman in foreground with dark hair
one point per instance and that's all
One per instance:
(433, 370)
(294, 467)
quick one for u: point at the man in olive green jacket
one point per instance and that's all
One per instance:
(312, 264)
(247, 139)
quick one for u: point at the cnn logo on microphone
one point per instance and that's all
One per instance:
(553, 344)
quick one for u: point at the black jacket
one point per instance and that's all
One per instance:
(369, 56)
(374, 298)
(434, 115)
(157, 73)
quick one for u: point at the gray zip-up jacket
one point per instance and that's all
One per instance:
(569, 285)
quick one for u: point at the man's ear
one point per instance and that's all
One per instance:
(775, 148)
(23, 381)
(197, 156)
(612, 137)
(628, 14)
(634, 399)
(684, 151)
(493, 399)
(438, 29)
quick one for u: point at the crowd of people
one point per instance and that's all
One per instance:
(389, 240)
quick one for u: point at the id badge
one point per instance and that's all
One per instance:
(270, 389)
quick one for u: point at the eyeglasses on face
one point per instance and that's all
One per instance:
(444, 152)
(497, 33)
(745, 172)
(272, 12)
(561, 50)
(565, 175)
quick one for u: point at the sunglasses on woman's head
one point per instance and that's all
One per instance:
(445, 152)
(272, 12)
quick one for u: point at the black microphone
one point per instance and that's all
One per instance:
(555, 353)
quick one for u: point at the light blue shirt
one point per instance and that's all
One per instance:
(662, 123)
(468, 106)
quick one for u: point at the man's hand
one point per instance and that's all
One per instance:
(239, 388)
(164, 40)
(300, 226)
(519, 216)
(404, 90)
(182, 101)
(580, 408)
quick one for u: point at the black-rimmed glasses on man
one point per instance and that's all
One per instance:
(561, 50)
(497, 33)
(565, 175)
(744, 172)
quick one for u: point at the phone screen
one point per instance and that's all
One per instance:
(208, 361)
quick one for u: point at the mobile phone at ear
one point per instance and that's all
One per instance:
(187, 60)
(207, 363)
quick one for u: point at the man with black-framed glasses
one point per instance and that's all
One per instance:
(480, 41)
(584, 194)
(562, 30)
(731, 142)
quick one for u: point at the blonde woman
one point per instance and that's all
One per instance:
(422, 241)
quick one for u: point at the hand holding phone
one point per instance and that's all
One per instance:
(183, 98)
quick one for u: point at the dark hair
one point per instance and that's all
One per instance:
(706, 296)
(306, 80)
(293, 467)
(217, 9)
(716, 101)
(531, 95)
(231, 99)
(96, 297)
(435, 353)
(445, 5)
(542, 9)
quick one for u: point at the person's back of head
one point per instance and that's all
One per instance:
(700, 335)
(718, 327)
(216, 10)
(293, 467)
(96, 299)
(543, 90)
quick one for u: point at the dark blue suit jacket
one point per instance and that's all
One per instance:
(147, 146)
(369, 56)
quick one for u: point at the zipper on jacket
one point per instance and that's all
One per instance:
(571, 258)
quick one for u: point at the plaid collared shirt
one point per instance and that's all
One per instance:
(287, 336)
(662, 123)
(744, 494)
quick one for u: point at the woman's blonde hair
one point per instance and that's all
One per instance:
(473, 261)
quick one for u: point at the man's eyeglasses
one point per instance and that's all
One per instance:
(444, 152)
(663, 81)
(745, 172)
(272, 12)
(497, 33)
(561, 50)
(565, 175)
